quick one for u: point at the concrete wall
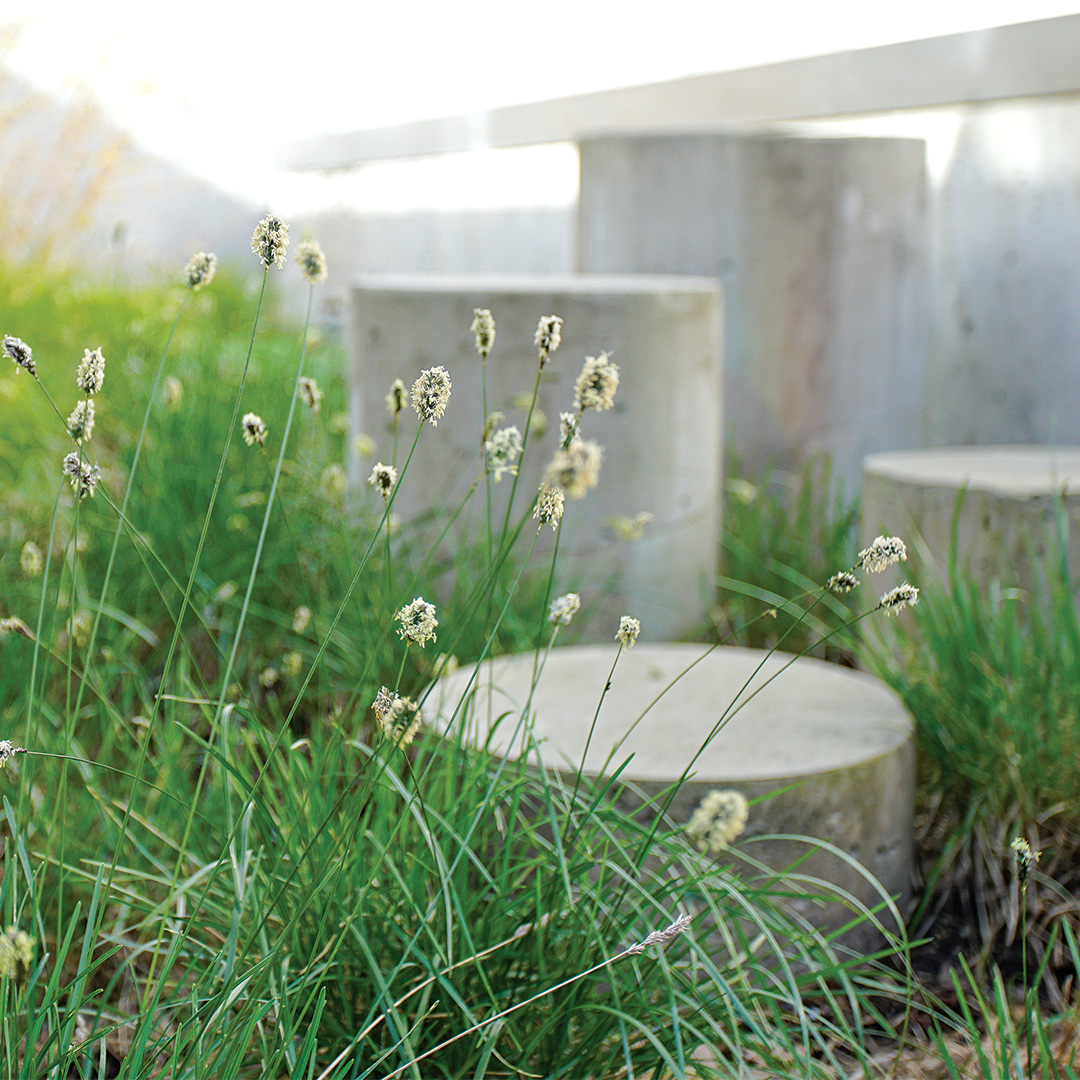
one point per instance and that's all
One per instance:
(536, 240)
(820, 244)
(1005, 281)
(662, 440)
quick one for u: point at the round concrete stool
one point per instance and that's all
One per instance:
(1006, 521)
(840, 737)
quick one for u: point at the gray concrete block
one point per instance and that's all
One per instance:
(662, 440)
(820, 244)
(839, 739)
(1006, 522)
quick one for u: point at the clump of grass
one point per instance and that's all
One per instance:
(264, 880)
(784, 534)
(990, 677)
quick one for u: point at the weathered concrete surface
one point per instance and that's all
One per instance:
(662, 439)
(1005, 317)
(1006, 520)
(840, 736)
(820, 246)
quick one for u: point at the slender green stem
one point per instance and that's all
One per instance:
(524, 444)
(127, 494)
(592, 729)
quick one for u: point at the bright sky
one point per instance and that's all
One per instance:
(222, 85)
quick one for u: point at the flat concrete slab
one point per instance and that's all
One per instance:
(841, 737)
(1006, 519)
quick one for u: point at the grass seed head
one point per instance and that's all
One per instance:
(383, 478)
(199, 271)
(31, 560)
(897, 599)
(430, 393)
(254, 429)
(596, 385)
(503, 449)
(16, 349)
(83, 476)
(90, 375)
(418, 622)
(8, 750)
(719, 820)
(269, 241)
(575, 469)
(549, 505)
(483, 326)
(881, 554)
(395, 400)
(311, 394)
(563, 608)
(312, 261)
(843, 582)
(80, 423)
(548, 336)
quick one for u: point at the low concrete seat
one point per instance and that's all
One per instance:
(1006, 521)
(840, 737)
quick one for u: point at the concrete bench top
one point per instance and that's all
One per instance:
(1016, 471)
(815, 717)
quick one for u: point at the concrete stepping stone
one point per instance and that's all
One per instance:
(841, 736)
(1008, 509)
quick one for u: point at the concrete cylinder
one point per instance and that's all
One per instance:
(662, 440)
(820, 244)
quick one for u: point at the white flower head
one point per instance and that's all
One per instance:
(483, 326)
(881, 554)
(199, 271)
(269, 241)
(301, 618)
(254, 429)
(576, 469)
(596, 385)
(80, 423)
(563, 608)
(430, 393)
(843, 582)
(83, 476)
(16, 349)
(1025, 859)
(8, 750)
(174, 392)
(383, 478)
(548, 336)
(312, 261)
(899, 598)
(629, 629)
(395, 400)
(418, 622)
(549, 505)
(720, 818)
(16, 947)
(269, 677)
(399, 717)
(90, 375)
(311, 394)
(31, 559)
(503, 449)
